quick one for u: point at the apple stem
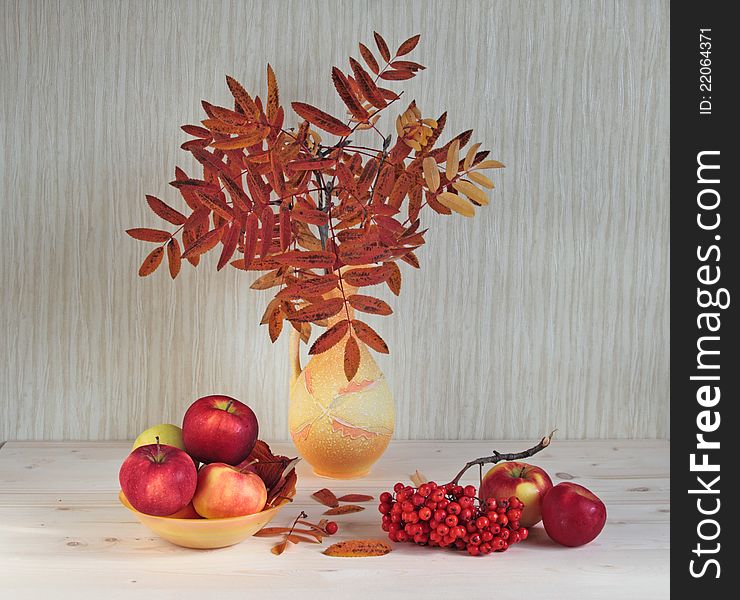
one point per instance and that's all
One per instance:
(228, 406)
(498, 456)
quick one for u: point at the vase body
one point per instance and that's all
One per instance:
(339, 427)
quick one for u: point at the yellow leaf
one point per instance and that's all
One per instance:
(481, 179)
(490, 164)
(431, 173)
(457, 203)
(453, 160)
(358, 548)
(399, 126)
(470, 156)
(471, 191)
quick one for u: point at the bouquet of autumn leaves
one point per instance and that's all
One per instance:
(319, 214)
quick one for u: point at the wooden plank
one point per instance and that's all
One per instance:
(61, 517)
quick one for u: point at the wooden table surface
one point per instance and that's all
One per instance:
(63, 533)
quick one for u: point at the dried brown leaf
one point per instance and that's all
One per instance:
(354, 498)
(358, 549)
(326, 497)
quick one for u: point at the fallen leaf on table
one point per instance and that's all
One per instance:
(344, 510)
(278, 549)
(355, 498)
(326, 497)
(358, 548)
(294, 538)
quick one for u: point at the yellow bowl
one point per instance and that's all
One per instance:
(204, 533)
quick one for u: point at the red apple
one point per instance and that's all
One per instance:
(158, 479)
(219, 429)
(227, 491)
(572, 515)
(526, 482)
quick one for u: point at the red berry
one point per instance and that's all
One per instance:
(459, 544)
(451, 520)
(386, 497)
(466, 513)
(396, 517)
(396, 509)
(503, 520)
(421, 538)
(523, 533)
(475, 539)
(491, 504)
(401, 536)
(492, 516)
(431, 505)
(486, 536)
(503, 503)
(454, 508)
(398, 487)
(417, 499)
(514, 537)
(514, 502)
(504, 534)
(469, 491)
(485, 548)
(505, 546)
(494, 528)
(471, 527)
(384, 508)
(514, 514)
(425, 489)
(449, 487)
(460, 531)
(440, 515)
(443, 530)
(443, 503)
(482, 522)
(473, 550)
(514, 525)
(425, 513)
(437, 495)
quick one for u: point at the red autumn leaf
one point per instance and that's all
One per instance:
(174, 257)
(313, 164)
(318, 311)
(367, 85)
(362, 254)
(382, 46)
(411, 259)
(191, 144)
(407, 65)
(400, 188)
(367, 275)
(351, 364)
(275, 324)
(355, 498)
(314, 260)
(408, 45)
(369, 304)
(200, 132)
(208, 160)
(321, 119)
(308, 288)
(369, 59)
(151, 262)
(268, 280)
(326, 497)
(231, 238)
(204, 243)
(149, 235)
(243, 99)
(250, 238)
(188, 237)
(397, 75)
(216, 204)
(273, 95)
(368, 335)
(285, 231)
(237, 194)
(330, 338)
(266, 231)
(346, 508)
(310, 216)
(242, 141)
(345, 93)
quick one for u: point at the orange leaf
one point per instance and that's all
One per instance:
(278, 549)
(396, 75)
(268, 280)
(275, 324)
(273, 95)
(204, 243)
(368, 335)
(310, 216)
(408, 45)
(216, 204)
(358, 549)
(307, 288)
(272, 531)
(330, 338)
(151, 262)
(315, 260)
(200, 132)
(351, 364)
(242, 141)
(367, 275)
(355, 498)
(362, 254)
(165, 211)
(242, 98)
(230, 117)
(345, 93)
(367, 85)
(318, 311)
(368, 57)
(266, 231)
(285, 232)
(368, 304)
(326, 497)
(314, 164)
(149, 235)
(250, 238)
(345, 509)
(321, 119)
(230, 242)
(174, 257)
(382, 46)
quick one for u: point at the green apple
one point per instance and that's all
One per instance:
(171, 435)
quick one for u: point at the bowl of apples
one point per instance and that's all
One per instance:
(238, 489)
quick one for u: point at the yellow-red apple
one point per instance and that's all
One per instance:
(158, 479)
(227, 491)
(219, 429)
(572, 515)
(188, 512)
(527, 482)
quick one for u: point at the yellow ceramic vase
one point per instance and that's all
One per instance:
(339, 427)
